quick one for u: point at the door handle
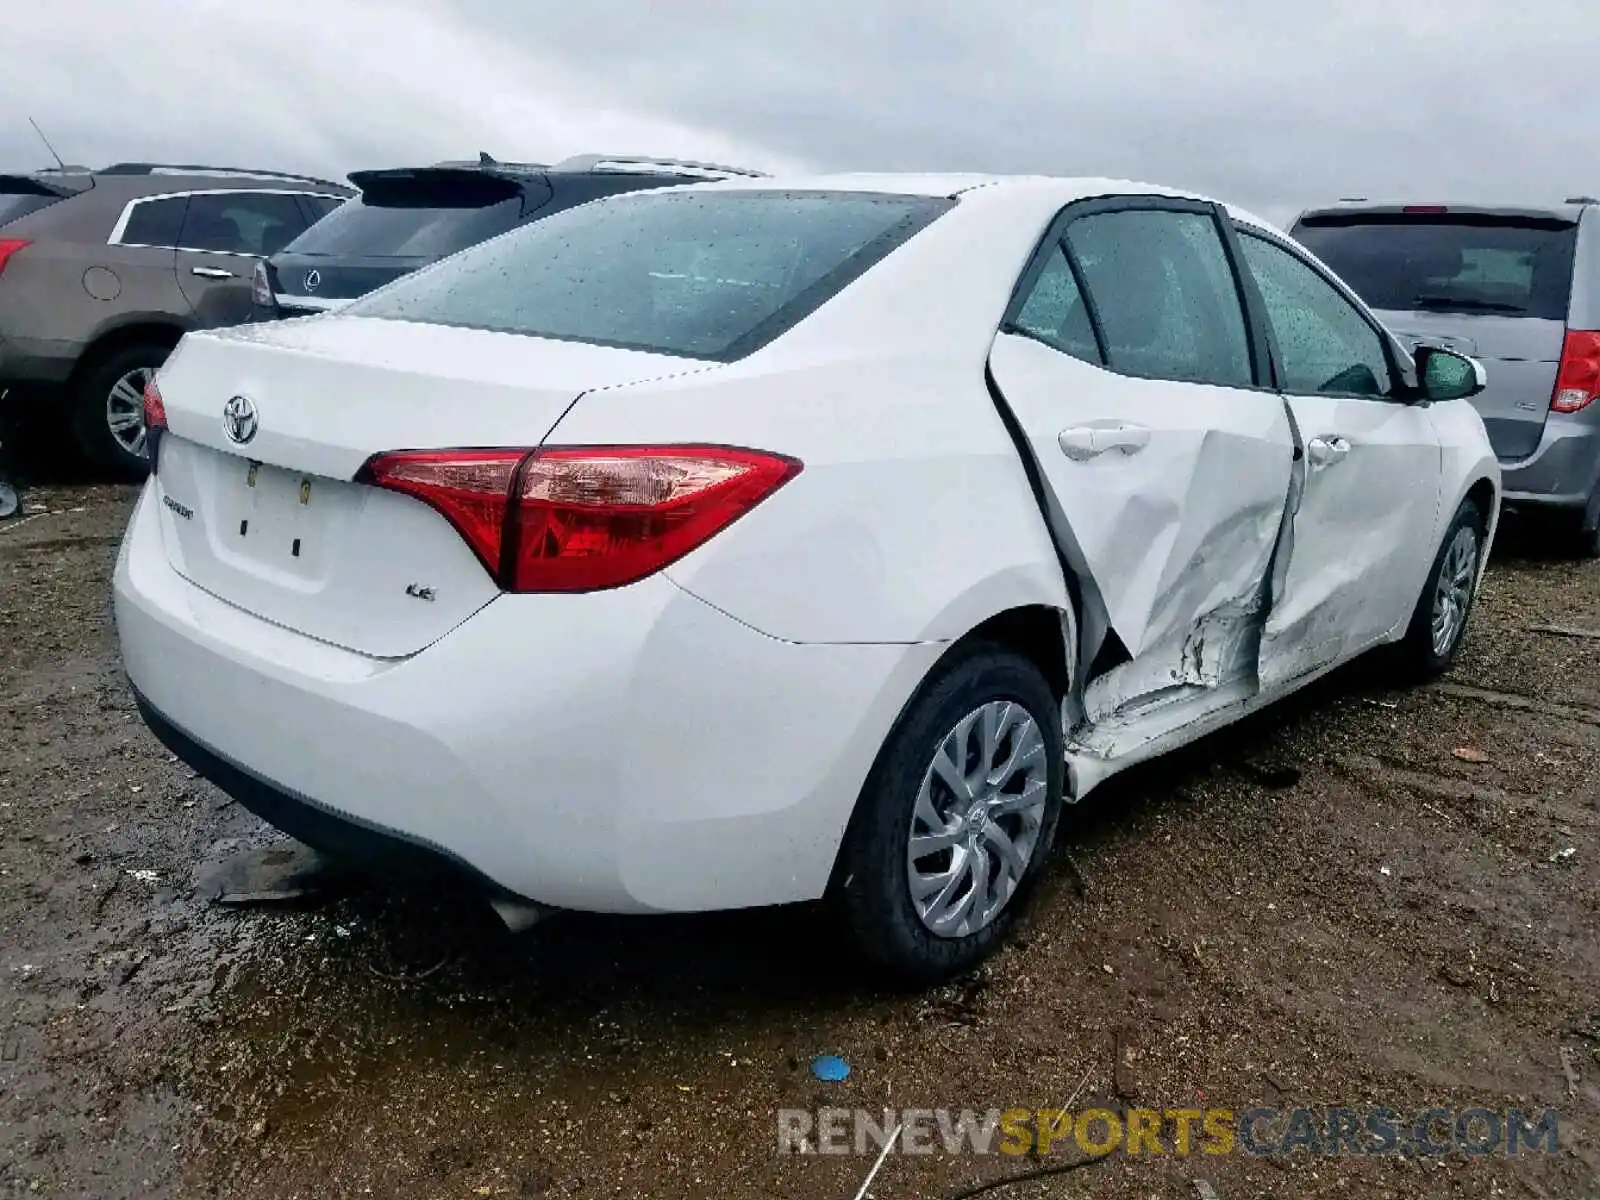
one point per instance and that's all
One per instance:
(1081, 442)
(211, 272)
(1325, 452)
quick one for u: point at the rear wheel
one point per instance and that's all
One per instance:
(108, 407)
(957, 817)
(1439, 622)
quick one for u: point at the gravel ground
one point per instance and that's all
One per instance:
(1359, 899)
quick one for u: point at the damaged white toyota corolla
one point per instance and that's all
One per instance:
(757, 541)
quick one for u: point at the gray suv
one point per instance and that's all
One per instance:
(1518, 288)
(101, 272)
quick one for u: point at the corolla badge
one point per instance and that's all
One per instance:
(239, 420)
(312, 280)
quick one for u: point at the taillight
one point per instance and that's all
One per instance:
(261, 287)
(155, 423)
(155, 412)
(1578, 377)
(584, 518)
(8, 247)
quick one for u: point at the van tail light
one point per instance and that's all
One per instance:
(8, 247)
(1578, 377)
(584, 518)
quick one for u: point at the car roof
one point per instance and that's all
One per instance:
(610, 165)
(151, 179)
(1062, 190)
(1569, 210)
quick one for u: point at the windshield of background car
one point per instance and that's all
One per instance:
(695, 273)
(400, 226)
(1469, 263)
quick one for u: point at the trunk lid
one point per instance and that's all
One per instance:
(276, 526)
(313, 282)
(1520, 355)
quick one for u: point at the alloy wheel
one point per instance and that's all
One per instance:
(977, 820)
(125, 411)
(1453, 594)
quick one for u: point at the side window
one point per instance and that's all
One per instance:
(1054, 312)
(258, 223)
(1165, 295)
(318, 207)
(155, 222)
(1324, 344)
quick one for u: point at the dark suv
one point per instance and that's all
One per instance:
(101, 272)
(408, 217)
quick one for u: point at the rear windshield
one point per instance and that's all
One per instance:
(13, 205)
(1443, 263)
(364, 228)
(698, 274)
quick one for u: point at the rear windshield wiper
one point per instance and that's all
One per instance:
(1465, 303)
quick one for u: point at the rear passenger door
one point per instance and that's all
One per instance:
(1363, 531)
(224, 234)
(1127, 361)
(140, 260)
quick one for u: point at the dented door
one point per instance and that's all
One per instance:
(1363, 529)
(1172, 494)
(1126, 363)
(1362, 534)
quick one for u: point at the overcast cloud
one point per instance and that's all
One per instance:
(1270, 105)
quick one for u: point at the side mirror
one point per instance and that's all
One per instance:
(1446, 375)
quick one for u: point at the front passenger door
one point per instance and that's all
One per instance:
(1363, 532)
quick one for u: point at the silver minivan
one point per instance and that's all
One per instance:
(1519, 289)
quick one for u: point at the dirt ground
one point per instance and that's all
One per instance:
(1395, 919)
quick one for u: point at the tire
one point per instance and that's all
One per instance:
(971, 688)
(1588, 542)
(10, 500)
(1423, 655)
(93, 403)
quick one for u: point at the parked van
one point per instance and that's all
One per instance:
(1519, 289)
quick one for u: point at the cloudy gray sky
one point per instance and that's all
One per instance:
(1271, 105)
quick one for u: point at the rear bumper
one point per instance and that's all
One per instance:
(341, 835)
(1563, 471)
(625, 751)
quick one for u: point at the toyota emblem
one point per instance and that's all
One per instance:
(239, 420)
(312, 281)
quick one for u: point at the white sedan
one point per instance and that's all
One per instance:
(754, 542)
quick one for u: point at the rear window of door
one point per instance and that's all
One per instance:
(1325, 346)
(155, 223)
(1465, 263)
(1054, 311)
(1163, 295)
(254, 223)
